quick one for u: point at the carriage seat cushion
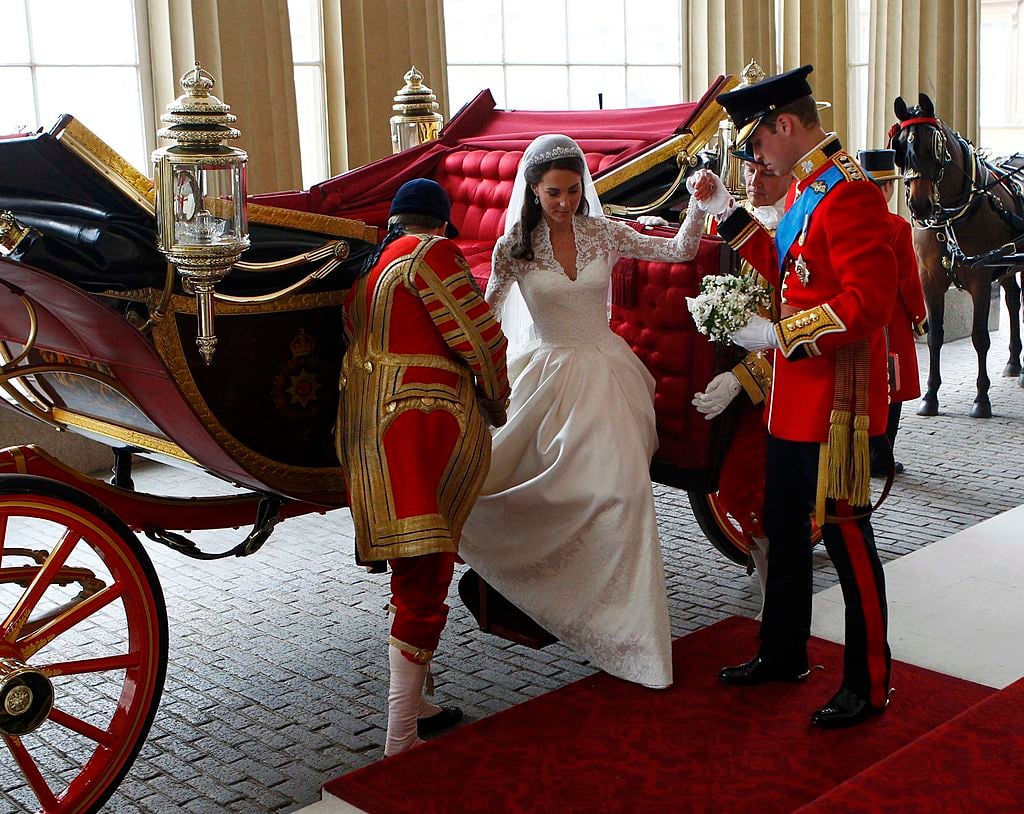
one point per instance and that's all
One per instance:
(479, 184)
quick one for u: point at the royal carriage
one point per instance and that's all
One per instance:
(98, 337)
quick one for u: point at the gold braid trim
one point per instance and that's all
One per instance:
(422, 656)
(847, 467)
(806, 327)
(754, 374)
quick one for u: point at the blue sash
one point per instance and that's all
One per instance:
(798, 217)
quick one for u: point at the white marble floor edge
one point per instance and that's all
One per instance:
(956, 606)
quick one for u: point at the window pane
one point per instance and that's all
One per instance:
(17, 112)
(13, 32)
(535, 31)
(652, 32)
(587, 81)
(465, 83)
(595, 31)
(74, 91)
(858, 98)
(538, 87)
(70, 32)
(472, 31)
(309, 100)
(304, 21)
(646, 86)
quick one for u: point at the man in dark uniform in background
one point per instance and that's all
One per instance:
(835, 273)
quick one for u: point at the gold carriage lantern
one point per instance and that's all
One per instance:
(728, 165)
(416, 119)
(200, 196)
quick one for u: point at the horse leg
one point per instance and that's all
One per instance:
(934, 288)
(1011, 296)
(981, 296)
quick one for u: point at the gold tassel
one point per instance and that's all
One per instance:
(430, 680)
(860, 484)
(839, 454)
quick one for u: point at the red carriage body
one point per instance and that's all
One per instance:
(97, 337)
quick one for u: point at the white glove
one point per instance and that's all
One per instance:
(720, 392)
(719, 201)
(757, 334)
(652, 220)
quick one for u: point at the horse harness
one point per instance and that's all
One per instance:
(972, 196)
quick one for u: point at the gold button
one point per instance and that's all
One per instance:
(344, 381)
(814, 317)
(427, 401)
(392, 407)
(368, 367)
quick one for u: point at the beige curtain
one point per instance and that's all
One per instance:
(814, 32)
(370, 45)
(246, 45)
(924, 46)
(722, 36)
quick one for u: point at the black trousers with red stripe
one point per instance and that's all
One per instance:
(790, 490)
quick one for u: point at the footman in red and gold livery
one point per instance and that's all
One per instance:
(422, 379)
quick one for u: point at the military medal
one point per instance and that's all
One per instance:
(820, 187)
(802, 272)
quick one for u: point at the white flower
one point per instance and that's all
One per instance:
(725, 304)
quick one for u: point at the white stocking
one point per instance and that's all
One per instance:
(427, 709)
(404, 694)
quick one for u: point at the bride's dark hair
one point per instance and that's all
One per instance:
(529, 217)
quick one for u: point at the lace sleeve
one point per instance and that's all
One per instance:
(502, 276)
(630, 243)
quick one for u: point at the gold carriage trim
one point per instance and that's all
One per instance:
(95, 152)
(132, 438)
(804, 328)
(754, 374)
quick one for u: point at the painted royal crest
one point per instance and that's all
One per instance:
(298, 384)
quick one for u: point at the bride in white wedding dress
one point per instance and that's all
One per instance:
(565, 525)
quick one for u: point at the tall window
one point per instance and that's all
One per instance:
(858, 35)
(86, 59)
(1001, 59)
(564, 54)
(306, 20)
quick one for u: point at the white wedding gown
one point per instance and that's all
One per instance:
(565, 525)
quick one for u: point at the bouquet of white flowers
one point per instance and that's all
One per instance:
(725, 304)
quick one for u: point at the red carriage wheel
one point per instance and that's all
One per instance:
(83, 646)
(723, 532)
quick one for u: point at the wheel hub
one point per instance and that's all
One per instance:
(26, 697)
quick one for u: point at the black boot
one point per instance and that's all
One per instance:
(846, 708)
(760, 671)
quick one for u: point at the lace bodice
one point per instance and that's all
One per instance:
(575, 312)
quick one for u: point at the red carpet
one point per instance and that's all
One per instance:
(972, 763)
(604, 745)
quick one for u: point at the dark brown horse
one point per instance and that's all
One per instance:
(968, 231)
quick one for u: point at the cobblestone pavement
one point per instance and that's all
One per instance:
(277, 673)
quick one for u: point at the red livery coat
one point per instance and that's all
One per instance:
(423, 348)
(908, 313)
(847, 297)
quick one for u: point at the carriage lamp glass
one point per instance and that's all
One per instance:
(416, 119)
(200, 196)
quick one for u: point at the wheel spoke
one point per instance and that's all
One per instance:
(100, 665)
(32, 773)
(63, 623)
(93, 733)
(12, 625)
(3, 535)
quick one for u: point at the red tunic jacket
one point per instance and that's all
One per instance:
(908, 313)
(423, 348)
(847, 297)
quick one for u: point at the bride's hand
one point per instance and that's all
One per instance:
(709, 193)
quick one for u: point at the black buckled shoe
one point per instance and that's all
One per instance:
(845, 709)
(760, 671)
(438, 722)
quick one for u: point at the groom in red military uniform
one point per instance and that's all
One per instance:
(423, 376)
(835, 273)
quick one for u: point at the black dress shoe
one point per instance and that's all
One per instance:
(759, 671)
(438, 722)
(845, 709)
